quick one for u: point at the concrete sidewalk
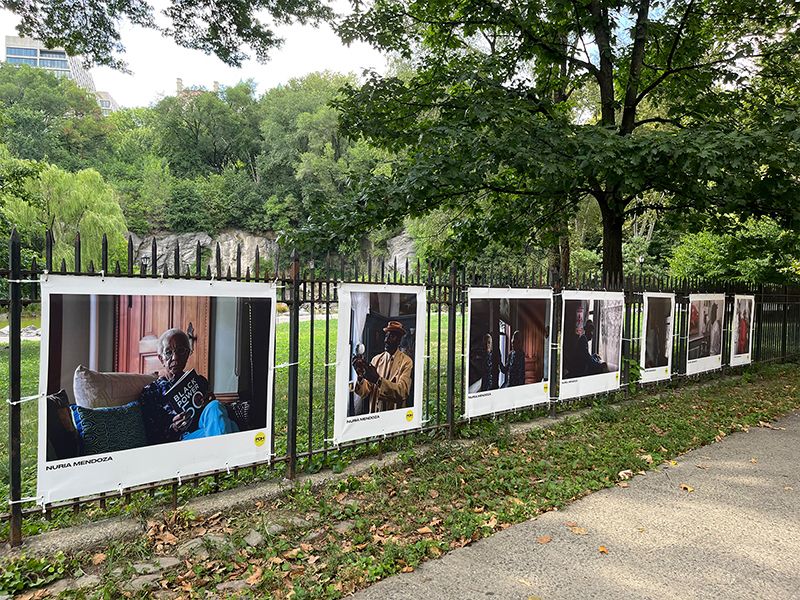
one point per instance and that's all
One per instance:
(736, 535)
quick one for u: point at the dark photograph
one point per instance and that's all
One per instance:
(592, 337)
(508, 342)
(657, 332)
(382, 343)
(131, 371)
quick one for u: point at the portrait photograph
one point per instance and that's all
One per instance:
(135, 375)
(379, 358)
(591, 342)
(705, 339)
(657, 334)
(509, 345)
(742, 330)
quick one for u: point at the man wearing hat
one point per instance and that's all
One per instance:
(386, 380)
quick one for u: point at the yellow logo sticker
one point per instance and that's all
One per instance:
(410, 416)
(261, 437)
(545, 388)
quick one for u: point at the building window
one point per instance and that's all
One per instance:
(65, 74)
(20, 52)
(14, 60)
(53, 64)
(105, 103)
(52, 54)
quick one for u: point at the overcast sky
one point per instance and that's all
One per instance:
(156, 62)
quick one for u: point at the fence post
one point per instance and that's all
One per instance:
(15, 387)
(294, 343)
(785, 324)
(451, 353)
(759, 322)
(555, 332)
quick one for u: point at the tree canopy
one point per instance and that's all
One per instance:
(514, 112)
(225, 28)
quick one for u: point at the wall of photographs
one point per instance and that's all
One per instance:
(144, 380)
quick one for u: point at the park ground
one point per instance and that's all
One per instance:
(346, 534)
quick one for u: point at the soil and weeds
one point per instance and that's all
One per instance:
(328, 542)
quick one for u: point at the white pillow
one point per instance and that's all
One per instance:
(96, 390)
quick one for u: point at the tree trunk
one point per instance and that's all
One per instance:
(613, 220)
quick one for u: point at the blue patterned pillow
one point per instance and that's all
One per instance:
(109, 429)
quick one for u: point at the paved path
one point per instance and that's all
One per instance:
(737, 535)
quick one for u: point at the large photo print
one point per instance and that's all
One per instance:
(656, 342)
(146, 380)
(509, 345)
(742, 334)
(592, 342)
(379, 360)
(706, 318)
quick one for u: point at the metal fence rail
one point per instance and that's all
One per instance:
(303, 408)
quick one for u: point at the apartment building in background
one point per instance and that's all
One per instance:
(32, 52)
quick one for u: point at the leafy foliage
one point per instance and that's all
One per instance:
(751, 251)
(514, 113)
(70, 204)
(92, 29)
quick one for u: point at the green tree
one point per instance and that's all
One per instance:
(517, 111)
(49, 118)
(751, 251)
(68, 204)
(204, 132)
(92, 28)
(308, 168)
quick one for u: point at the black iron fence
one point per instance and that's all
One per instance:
(303, 403)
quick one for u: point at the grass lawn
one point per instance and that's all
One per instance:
(363, 528)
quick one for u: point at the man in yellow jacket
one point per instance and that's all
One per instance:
(386, 380)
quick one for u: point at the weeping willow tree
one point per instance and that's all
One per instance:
(69, 204)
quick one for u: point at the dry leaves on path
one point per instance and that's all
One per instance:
(686, 487)
(544, 539)
(578, 530)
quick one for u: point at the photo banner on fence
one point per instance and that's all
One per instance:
(706, 318)
(591, 351)
(379, 360)
(742, 330)
(147, 380)
(655, 360)
(508, 342)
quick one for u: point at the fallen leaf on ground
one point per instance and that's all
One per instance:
(424, 530)
(623, 484)
(570, 524)
(516, 501)
(407, 569)
(255, 577)
(701, 466)
(686, 487)
(754, 460)
(98, 558)
(673, 463)
(434, 494)
(647, 458)
(603, 550)
(626, 474)
(492, 522)
(291, 553)
(578, 530)
(545, 539)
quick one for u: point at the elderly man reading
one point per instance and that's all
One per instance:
(386, 380)
(162, 422)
